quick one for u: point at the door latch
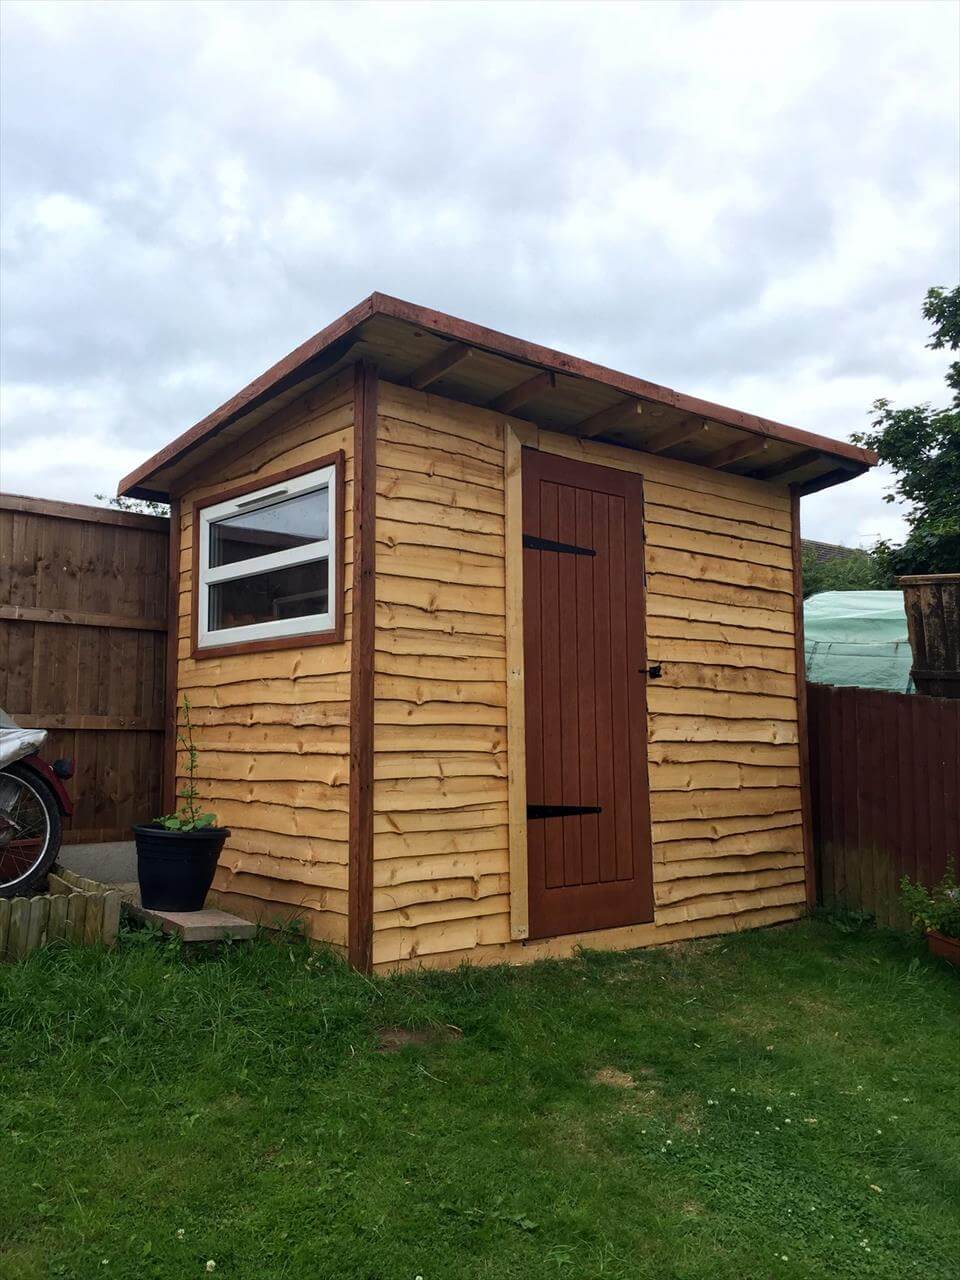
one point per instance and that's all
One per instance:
(654, 672)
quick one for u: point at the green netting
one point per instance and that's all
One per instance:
(858, 638)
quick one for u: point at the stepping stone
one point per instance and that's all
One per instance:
(208, 925)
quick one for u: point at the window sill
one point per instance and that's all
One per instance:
(304, 641)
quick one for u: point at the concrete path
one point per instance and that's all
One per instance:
(114, 863)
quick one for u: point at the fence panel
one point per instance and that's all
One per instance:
(83, 605)
(885, 786)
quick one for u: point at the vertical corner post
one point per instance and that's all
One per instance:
(360, 879)
(806, 808)
(171, 668)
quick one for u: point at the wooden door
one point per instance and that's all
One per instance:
(588, 809)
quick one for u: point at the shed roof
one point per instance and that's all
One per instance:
(427, 349)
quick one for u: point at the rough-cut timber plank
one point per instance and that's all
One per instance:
(683, 598)
(717, 544)
(79, 618)
(412, 460)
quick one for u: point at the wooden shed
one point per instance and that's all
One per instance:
(493, 652)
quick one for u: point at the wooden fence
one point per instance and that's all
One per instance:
(83, 606)
(75, 910)
(885, 784)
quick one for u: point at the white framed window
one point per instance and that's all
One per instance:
(266, 561)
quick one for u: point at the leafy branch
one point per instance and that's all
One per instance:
(189, 816)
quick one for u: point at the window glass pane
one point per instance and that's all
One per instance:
(279, 527)
(293, 592)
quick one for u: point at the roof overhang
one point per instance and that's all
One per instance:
(415, 346)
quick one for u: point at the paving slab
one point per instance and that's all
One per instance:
(208, 925)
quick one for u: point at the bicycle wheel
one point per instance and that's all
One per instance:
(30, 830)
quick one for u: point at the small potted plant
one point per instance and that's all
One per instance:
(936, 913)
(177, 853)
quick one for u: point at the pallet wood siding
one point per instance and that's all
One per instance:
(272, 728)
(722, 722)
(885, 770)
(83, 620)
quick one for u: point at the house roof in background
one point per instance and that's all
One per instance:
(427, 349)
(824, 551)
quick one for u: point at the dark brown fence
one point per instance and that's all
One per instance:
(885, 784)
(83, 603)
(932, 602)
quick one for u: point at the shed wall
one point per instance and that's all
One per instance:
(272, 728)
(722, 722)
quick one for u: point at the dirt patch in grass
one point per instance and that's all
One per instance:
(616, 1079)
(393, 1039)
(688, 1122)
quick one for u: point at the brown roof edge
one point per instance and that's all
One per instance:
(517, 348)
(499, 344)
(209, 425)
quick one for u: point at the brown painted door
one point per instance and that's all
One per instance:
(588, 808)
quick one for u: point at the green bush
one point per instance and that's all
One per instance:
(937, 908)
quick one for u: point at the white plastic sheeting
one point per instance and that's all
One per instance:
(15, 743)
(858, 638)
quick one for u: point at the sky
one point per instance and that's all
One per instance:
(743, 201)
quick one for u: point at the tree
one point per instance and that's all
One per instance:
(857, 571)
(142, 506)
(922, 445)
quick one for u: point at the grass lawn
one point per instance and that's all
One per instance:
(781, 1103)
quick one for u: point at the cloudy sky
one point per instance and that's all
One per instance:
(744, 201)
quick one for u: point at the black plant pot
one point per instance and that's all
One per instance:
(175, 868)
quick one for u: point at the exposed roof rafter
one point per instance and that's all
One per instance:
(676, 434)
(614, 416)
(433, 369)
(826, 481)
(796, 462)
(524, 391)
(735, 452)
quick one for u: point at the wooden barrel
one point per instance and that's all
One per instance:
(932, 602)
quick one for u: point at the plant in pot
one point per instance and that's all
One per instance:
(936, 913)
(177, 853)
